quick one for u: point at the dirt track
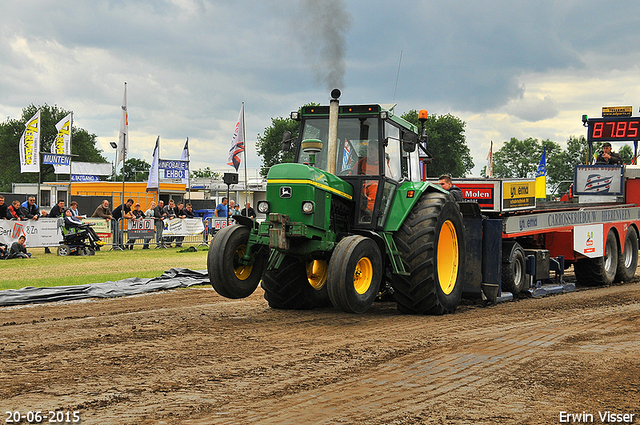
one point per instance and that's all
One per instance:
(191, 356)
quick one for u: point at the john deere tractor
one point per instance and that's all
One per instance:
(349, 221)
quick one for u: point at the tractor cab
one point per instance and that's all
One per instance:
(368, 155)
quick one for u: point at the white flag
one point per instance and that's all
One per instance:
(237, 143)
(30, 146)
(185, 157)
(153, 182)
(62, 144)
(123, 137)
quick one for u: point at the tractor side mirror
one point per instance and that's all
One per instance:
(409, 141)
(286, 141)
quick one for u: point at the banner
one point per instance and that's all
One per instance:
(101, 226)
(237, 142)
(84, 178)
(185, 158)
(174, 169)
(141, 228)
(42, 232)
(183, 227)
(30, 146)
(123, 136)
(153, 181)
(56, 159)
(62, 145)
(91, 168)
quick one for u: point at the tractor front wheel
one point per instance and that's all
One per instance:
(355, 272)
(296, 285)
(432, 248)
(229, 276)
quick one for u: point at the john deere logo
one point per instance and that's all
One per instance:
(285, 192)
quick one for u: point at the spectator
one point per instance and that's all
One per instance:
(235, 210)
(18, 248)
(4, 252)
(221, 209)
(14, 211)
(149, 214)
(180, 213)
(247, 211)
(188, 211)
(121, 211)
(30, 209)
(57, 210)
(158, 218)
(608, 157)
(137, 214)
(445, 181)
(169, 212)
(103, 211)
(231, 205)
(3, 209)
(71, 222)
(73, 206)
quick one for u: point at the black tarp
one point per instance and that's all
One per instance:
(171, 279)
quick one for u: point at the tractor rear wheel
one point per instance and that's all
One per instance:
(601, 270)
(228, 276)
(628, 260)
(296, 285)
(432, 248)
(355, 272)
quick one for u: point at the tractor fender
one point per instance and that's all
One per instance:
(404, 200)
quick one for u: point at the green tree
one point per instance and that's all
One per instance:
(626, 153)
(446, 143)
(520, 158)
(205, 173)
(270, 143)
(83, 144)
(135, 170)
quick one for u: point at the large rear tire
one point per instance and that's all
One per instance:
(514, 277)
(296, 285)
(628, 260)
(228, 276)
(602, 270)
(432, 247)
(355, 272)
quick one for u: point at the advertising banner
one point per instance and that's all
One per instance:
(141, 228)
(42, 232)
(183, 227)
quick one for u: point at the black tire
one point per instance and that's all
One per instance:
(227, 276)
(628, 260)
(602, 270)
(355, 272)
(431, 244)
(289, 287)
(514, 277)
(84, 251)
(64, 250)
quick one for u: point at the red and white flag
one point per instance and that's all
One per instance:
(237, 143)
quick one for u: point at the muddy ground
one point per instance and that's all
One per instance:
(193, 357)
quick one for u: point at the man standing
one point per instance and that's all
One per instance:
(247, 211)
(221, 210)
(607, 157)
(169, 212)
(158, 218)
(30, 209)
(73, 206)
(103, 211)
(445, 181)
(57, 210)
(121, 211)
(3, 209)
(14, 211)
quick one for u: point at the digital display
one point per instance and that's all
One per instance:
(613, 129)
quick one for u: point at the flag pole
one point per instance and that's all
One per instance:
(246, 181)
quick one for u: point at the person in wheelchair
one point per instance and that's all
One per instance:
(83, 230)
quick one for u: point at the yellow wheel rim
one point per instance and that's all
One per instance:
(363, 275)
(448, 257)
(317, 273)
(242, 271)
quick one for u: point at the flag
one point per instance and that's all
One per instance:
(123, 136)
(153, 182)
(30, 146)
(490, 159)
(237, 143)
(541, 176)
(185, 157)
(62, 144)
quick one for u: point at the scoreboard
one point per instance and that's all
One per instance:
(612, 129)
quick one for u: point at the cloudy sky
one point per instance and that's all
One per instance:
(507, 68)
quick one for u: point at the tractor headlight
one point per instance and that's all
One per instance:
(263, 207)
(307, 207)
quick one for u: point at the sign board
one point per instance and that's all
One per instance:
(141, 228)
(617, 111)
(56, 159)
(100, 226)
(598, 180)
(170, 173)
(587, 240)
(484, 193)
(84, 178)
(518, 195)
(165, 164)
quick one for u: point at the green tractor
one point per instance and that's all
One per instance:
(350, 221)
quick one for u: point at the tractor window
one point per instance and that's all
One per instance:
(316, 129)
(358, 147)
(392, 152)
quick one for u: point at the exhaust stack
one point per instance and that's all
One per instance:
(332, 148)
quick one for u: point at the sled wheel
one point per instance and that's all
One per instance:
(601, 270)
(228, 276)
(296, 286)
(628, 260)
(514, 277)
(432, 248)
(355, 272)
(64, 250)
